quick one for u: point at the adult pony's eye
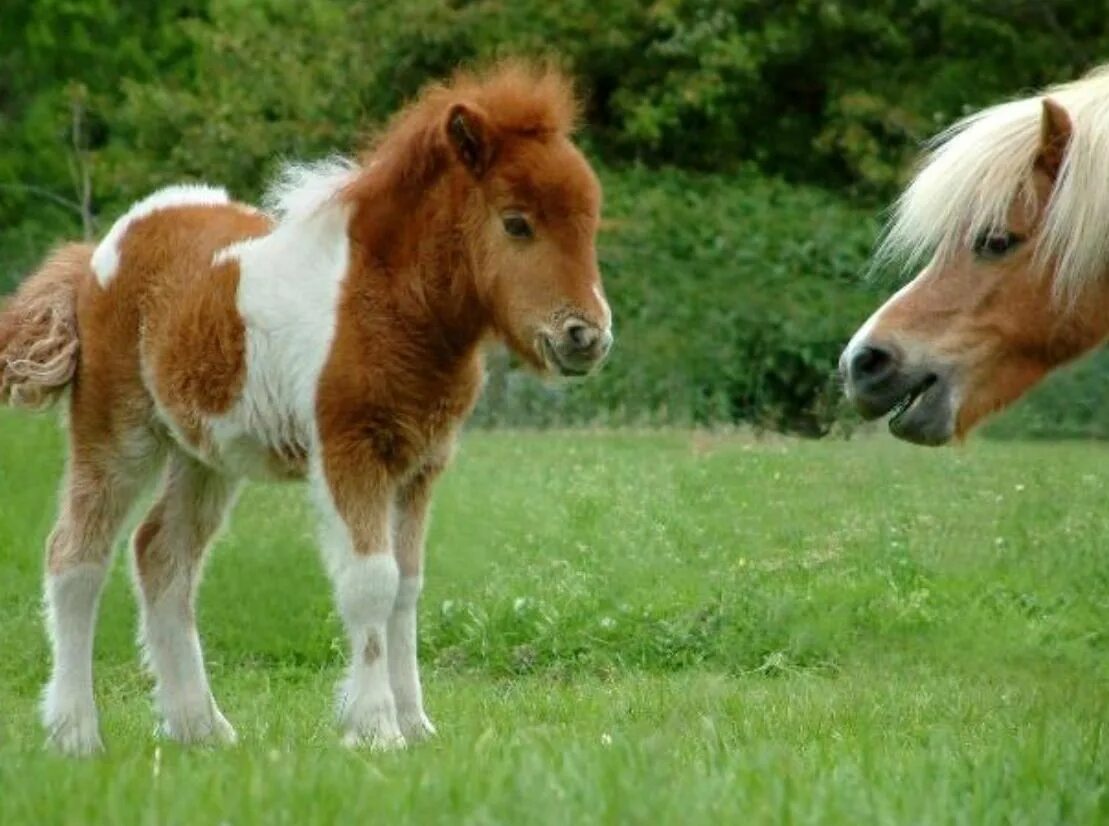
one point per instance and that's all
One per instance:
(994, 245)
(516, 225)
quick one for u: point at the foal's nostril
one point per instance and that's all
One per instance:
(872, 363)
(606, 342)
(582, 336)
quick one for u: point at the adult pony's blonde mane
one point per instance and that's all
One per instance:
(976, 168)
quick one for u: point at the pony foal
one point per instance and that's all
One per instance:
(336, 338)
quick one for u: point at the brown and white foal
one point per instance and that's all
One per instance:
(337, 338)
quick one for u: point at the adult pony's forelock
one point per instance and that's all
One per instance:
(975, 169)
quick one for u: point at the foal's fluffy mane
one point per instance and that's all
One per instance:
(303, 189)
(517, 99)
(977, 167)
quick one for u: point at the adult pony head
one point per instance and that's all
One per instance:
(487, 160)
(1011, 212)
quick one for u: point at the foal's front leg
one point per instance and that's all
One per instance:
(355, 504)
(412, 503)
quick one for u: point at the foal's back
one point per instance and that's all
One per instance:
(163, 343)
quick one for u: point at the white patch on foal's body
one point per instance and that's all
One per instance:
(289, 290)
(105, 259)
(288, 297)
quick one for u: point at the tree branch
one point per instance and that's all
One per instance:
(82, 171)
(45, 193)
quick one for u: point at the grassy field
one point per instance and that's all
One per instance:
(630, 628)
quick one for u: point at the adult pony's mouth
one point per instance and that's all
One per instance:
(924, 415)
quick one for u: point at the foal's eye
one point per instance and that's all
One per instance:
(516, 225)
(994, 245)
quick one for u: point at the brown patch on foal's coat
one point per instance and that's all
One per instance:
(372, 650)
(167, 307)
(194, 341)
(143, 541)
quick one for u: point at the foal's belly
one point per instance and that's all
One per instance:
(241, 443)
(246, 455)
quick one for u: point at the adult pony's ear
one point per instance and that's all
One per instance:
(471, 137)
(1055, 132)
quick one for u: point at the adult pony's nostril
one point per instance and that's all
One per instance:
(872, 363)
(582, 336)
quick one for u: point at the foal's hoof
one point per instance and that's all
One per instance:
(415, 726)
(369, 720)
(71, 725)
(74, 735)
(373, 728)
(203, 728)
(374, 740)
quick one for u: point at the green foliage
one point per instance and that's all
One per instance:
(55, 54)
(809, 89)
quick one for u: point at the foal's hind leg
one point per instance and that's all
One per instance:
(169, 549)
(97, 493)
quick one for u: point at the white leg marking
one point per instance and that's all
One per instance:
(172, 645)
(404, 668)
(181, 526)
(366, 589)
(68, 707)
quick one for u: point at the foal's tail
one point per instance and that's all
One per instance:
(38, 330)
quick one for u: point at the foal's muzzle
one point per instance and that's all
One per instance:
(577, 348)
(880, 380)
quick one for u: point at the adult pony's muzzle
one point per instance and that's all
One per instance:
(880, 380)
(577, 348)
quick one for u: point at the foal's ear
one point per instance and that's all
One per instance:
(1055, 132)
(471, 137)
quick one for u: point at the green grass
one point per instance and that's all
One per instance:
(629, 627)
